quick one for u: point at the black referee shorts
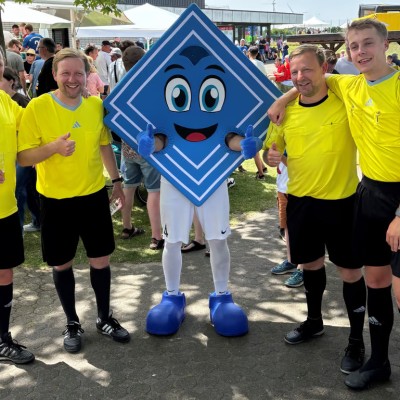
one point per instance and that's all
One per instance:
(64, 221)
(12, 245)
(376, 205)
(315, 224)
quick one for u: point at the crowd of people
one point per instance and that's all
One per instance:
(317, 129)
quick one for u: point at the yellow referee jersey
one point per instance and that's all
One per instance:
(373, 109)
(10, 117)
(45, 119)
(321, 152)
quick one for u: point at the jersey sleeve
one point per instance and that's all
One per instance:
(29, 133)
(338, 83)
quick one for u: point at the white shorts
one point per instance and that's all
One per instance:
(177, 214)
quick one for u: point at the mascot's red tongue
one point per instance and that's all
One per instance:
(195, 137)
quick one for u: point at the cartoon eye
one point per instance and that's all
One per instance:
(212, 95)
(178, 94)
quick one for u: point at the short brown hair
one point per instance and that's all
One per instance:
(29, 27)
(131, 56)
(368, 23)
(308, 48)
(70, 53)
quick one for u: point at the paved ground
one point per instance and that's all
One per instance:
(195, 363)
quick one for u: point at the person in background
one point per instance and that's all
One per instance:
(59, 46)
(11, 84)
(46, 82)
(29, 60)
(135, 169)
(12, 254)
(94, 84)
(31, 40)
(16, 32)
(92, 51)
(15, 61)
(102, 63)
(34, 75)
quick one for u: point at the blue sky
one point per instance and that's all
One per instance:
(335, 12)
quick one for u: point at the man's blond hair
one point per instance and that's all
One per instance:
(309, 48)
(367, 23)
(70, 53)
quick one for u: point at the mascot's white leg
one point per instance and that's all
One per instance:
(227, 317)
(167, 317)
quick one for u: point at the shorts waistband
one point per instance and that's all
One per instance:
(388, 187)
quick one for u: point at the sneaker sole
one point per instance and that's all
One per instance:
(316, 335)
(116, 339)
(74, 349)
(2, 358)
(288, 271)
(295, 285)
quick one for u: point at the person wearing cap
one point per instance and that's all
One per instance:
(116, 70)
(30, 58)
(103, 62)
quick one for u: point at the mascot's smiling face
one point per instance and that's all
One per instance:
(182, 96)
(195, 87)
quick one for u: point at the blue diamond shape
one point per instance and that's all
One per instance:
(195, 87)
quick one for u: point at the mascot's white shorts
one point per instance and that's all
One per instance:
(177, 214)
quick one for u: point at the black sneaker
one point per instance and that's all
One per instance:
(353, 358)
(10, 350)
(307, 330)
(360, 379)
(73, 337)
(112, 328)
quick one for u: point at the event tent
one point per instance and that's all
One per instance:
(314, 22)
(148, 22)
(16, 13)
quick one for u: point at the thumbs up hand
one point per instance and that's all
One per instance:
(146, 141)
(250, 145)
(274, 156)
(65, 147)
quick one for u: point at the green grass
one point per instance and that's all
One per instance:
(246, 197)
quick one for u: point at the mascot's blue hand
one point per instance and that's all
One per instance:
(250, 145)
(146, 141)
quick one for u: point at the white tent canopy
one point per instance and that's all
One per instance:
(15, 13)
(124, 31)
(151, 17)
(148, 22)
(314, 22)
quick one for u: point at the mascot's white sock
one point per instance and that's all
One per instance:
(220, 264)
(172, 265)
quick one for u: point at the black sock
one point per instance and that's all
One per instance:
(64, 282)
(314, 284)
(6, 296)
(101, 282)
(355, 297)
(380, 311)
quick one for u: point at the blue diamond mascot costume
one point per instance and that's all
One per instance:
(194, 107)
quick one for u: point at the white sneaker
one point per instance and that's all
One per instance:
(31, 228)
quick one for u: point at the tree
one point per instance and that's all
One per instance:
(104, 6)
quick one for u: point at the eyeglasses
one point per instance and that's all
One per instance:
(30, 55)
(41, 47)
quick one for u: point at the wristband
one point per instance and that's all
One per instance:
(119, 179)
(397, 213)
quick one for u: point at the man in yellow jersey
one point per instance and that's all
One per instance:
(321, 189)
(64, 135)
(12, 248)
(372, 101)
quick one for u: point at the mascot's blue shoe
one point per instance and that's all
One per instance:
(166, 318)
(227, 317)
